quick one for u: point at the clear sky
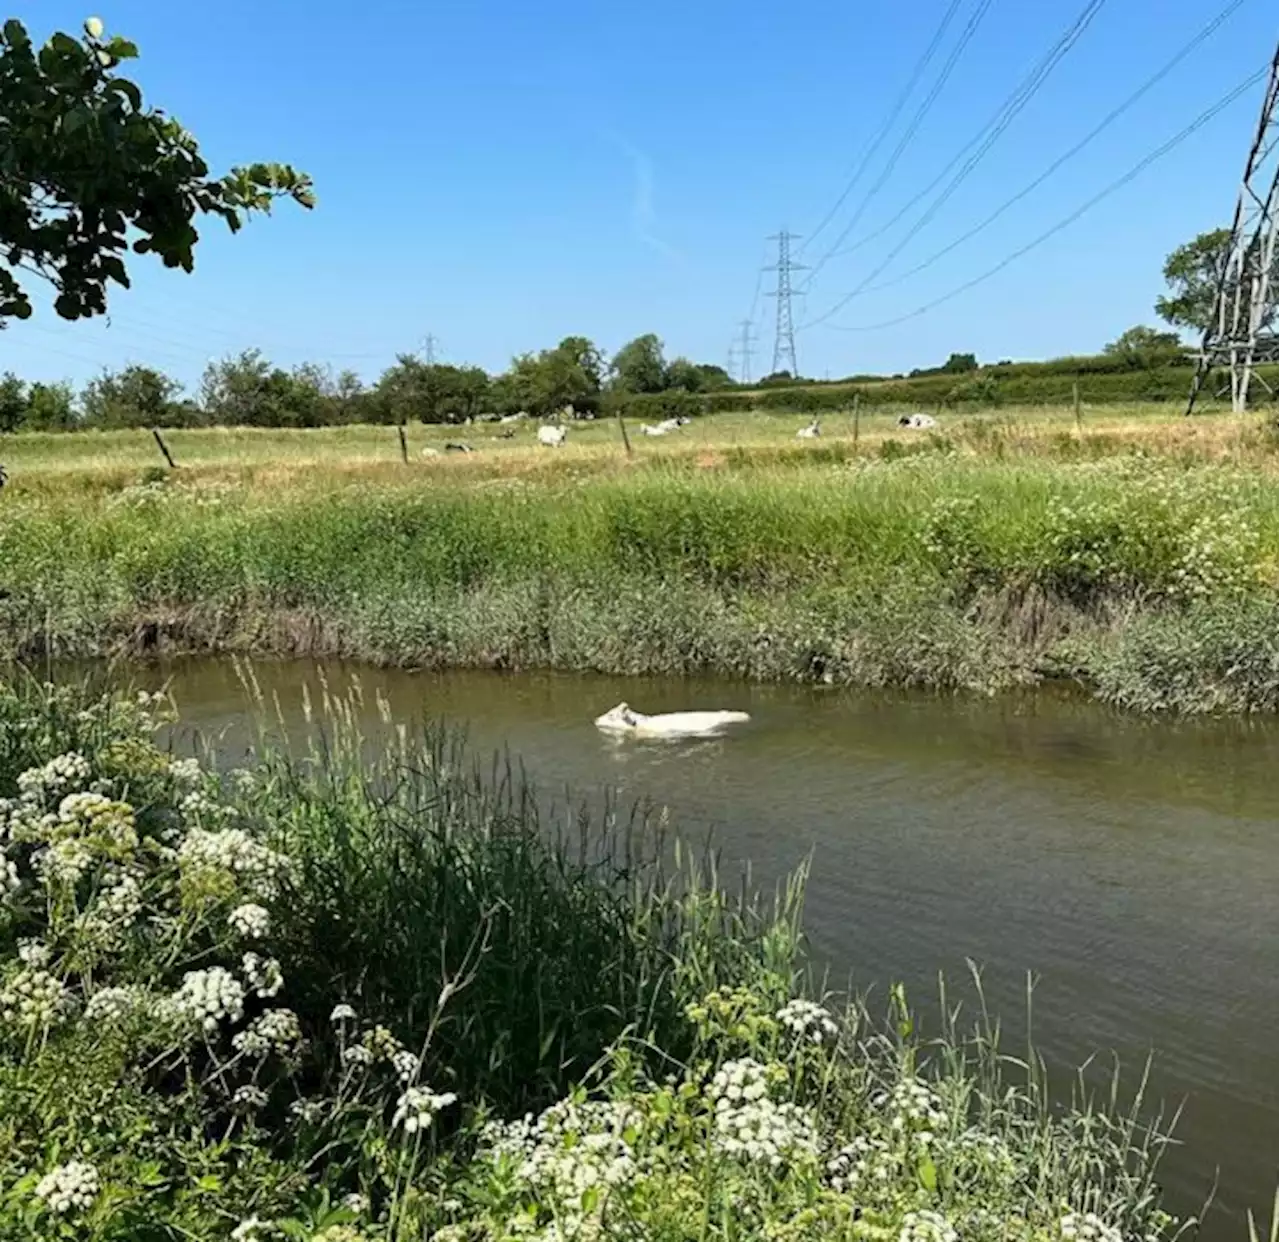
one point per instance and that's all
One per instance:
(500, 174)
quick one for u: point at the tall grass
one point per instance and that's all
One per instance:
(933, 568)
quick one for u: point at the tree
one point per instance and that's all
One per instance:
(13, 402)
(683, 374)
(1193, 272)
(714, 377)
(638, 366)
(85, 165)
(50, 407)
(432, 392)
(138, 396)
(249, 391)
(960, 363)
(543, 384)
(1141, 346)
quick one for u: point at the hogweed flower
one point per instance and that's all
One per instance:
(250, 920)
(418, 1106)
(263, 974)
(926, 1226)
(1087, 1227)
(248, 1098)
(34, 998)
(71, 1187)
(807, 1020)
(209, 995)
(276, 1030)
(342, 1013)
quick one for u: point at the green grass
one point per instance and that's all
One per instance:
(979, 559)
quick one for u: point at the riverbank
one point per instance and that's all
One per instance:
(974, 561)
(314, 996)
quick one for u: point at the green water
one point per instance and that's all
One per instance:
(1129, 863)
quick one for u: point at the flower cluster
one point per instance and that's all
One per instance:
(808, 1021)
(748, 1124)
(71, 1187)
(926, 1226)
(208, 996)
(418, 1106)
(115, 1004)
(1087, 1227)
(185, 772)
(263, 974)
(276, 1030)
(61, 774)
(219, 860)
(250, 920)
(34, 998)
(114, 910)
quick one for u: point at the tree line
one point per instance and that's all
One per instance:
(249, 390)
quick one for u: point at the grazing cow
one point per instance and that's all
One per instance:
(430, 452)
(4, 478)
(647, 430)
(811, 432)
(552, 436)
(452, 447)
(917, 422)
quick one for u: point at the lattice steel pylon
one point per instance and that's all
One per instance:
(784, 341)
(1242, 331)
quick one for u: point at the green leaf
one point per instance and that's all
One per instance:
(928, 1173)
(114, 268)
(128, 89)
(122, 49)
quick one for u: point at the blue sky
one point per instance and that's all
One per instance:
(501, 174)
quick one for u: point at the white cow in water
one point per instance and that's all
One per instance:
(811, 432)
(554, 436)
(623, 720)
(917, 422)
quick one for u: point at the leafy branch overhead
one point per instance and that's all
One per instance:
(87, 173)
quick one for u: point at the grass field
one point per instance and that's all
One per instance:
(1135, 552)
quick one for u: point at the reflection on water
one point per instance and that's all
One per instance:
(1130, 864)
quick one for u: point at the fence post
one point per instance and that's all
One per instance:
(164, 448)
(404, 446)
(857, 396)
(1075, 401)
(622, 427)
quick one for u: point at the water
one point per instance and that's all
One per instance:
(1130, 864)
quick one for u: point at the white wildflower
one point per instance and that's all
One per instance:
(417, 1107)
(263, 974)
(207, 996)
(342, 1013)
(34, 998)
(356, 1202)
(114, 910)
(405, 1064)
(808, 1021)
(10, 881)
(114, 1004)
(250, 920)
(309, 1111)
(249, 1097)
(185, 771)
(212, 857)
(1087, 1227)
(253, 1229)
(926, 1226)
(357, 1055)
(33, 953)
(276, 1030)
(62, 773)
(71, 1187)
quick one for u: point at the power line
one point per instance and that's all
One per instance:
(1116, 112)
(1120, 182)
(970, 29)
(986, 139)
(742, 350)
(921, 65)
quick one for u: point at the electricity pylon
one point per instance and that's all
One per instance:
(1242, 331)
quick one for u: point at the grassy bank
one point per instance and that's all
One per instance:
(313, 999)
(1141, 562)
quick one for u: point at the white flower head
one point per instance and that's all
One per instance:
(263, 974)
(418, 1106)
(207, 996)
(69, 1188)
(342, 1013)
(250, 920)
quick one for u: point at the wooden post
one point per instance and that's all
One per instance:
(404, 446)
(856, 398)
(622, 427)
(1075, 401)
(164, 448)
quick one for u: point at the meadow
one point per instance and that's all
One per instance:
(1128, 549)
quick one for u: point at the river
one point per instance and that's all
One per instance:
(1129, 863)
